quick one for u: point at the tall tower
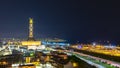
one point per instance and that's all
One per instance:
(31, 43)
(31, 29)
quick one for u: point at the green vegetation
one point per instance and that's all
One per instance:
(108, 57)
(96, 61)
(80, 63)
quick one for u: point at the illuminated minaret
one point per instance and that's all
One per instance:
(31, 43)
(31, 29)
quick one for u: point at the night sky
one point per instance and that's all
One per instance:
(73, 20)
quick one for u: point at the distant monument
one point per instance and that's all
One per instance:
(31, 38)
(31, 43)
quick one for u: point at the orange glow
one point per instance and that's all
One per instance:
(75, 64)
(28, 43)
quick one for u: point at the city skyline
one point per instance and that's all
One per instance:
(59, 34)
(70, 20)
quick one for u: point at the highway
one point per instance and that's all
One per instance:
(108, 62)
